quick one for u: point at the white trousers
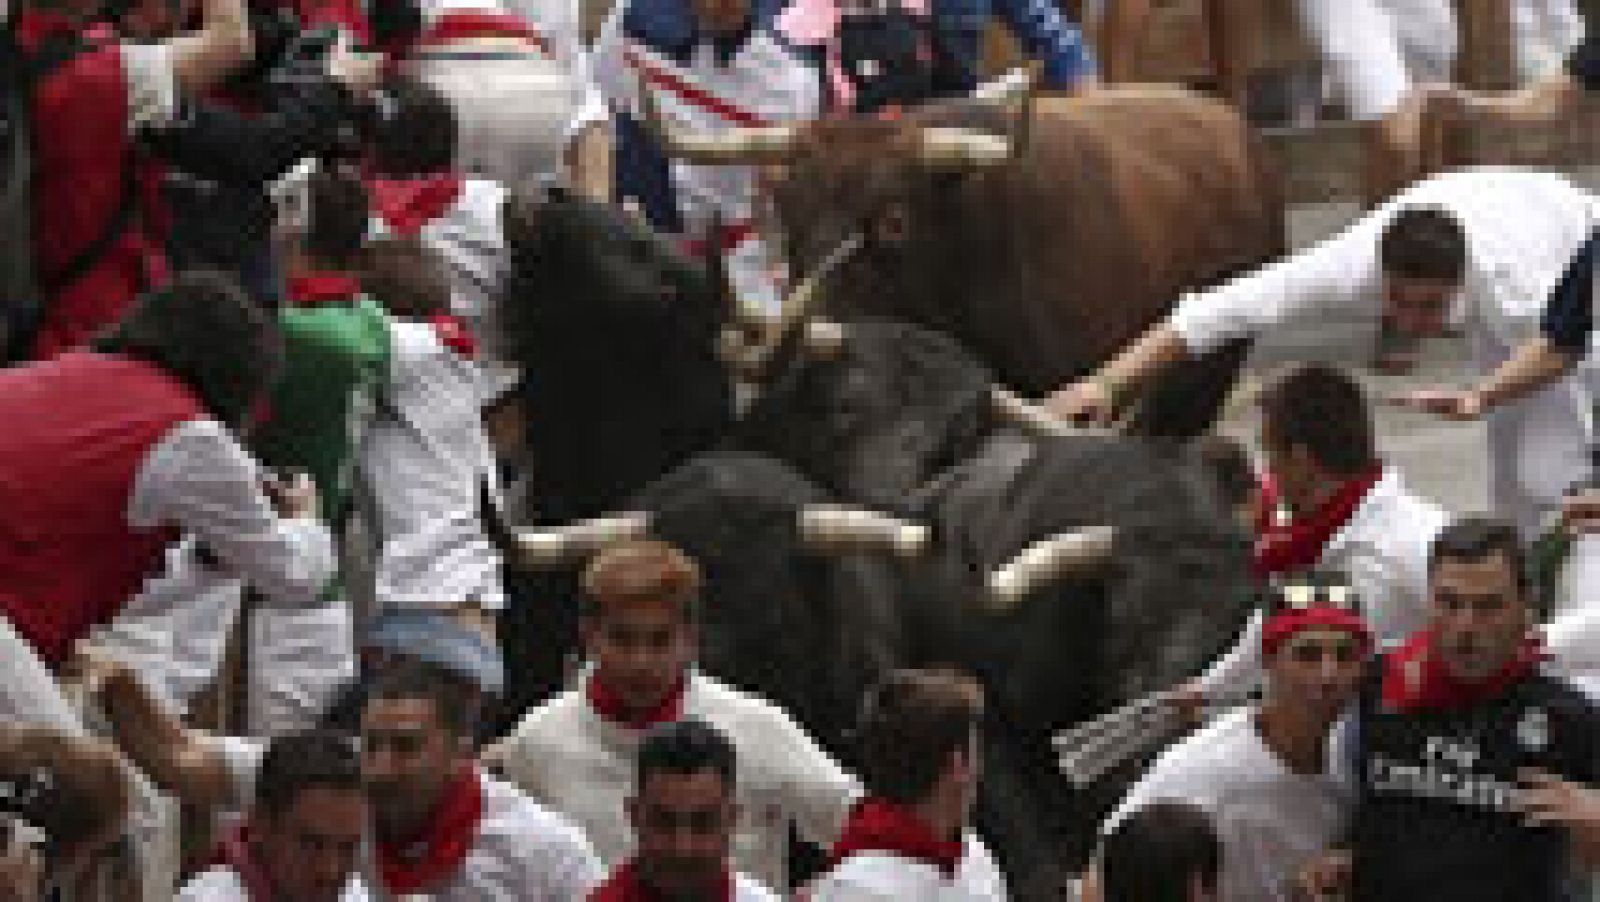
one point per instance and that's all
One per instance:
(1376, 50)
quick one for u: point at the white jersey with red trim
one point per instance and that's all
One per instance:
(760, 83)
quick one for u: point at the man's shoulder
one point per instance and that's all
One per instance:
(218, 884)
(748, 889)
(747, 718)
(512, 813)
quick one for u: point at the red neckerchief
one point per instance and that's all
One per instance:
(609, 706)
(727, 237)
(308, 289)
(463, 25)
(878, 825)
(236, 853)
(454, 334)
(427, 860)
(626, 886)
(1415, 678)
(407, 204)
(1296, 545)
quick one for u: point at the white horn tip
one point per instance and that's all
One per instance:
(1076, 551)
(825, 527)
(561, 545)
(824, 338)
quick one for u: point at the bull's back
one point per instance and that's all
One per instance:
(1126, 198)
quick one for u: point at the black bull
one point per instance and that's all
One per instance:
(899, 418)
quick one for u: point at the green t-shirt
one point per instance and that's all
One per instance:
(336, 357)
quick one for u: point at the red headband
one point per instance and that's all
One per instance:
(1284, 624)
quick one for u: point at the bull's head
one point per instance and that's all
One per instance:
(800, 593)
(615, 331)
(887, 186)
(874, 410)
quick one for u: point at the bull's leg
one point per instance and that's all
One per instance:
(1187, 398)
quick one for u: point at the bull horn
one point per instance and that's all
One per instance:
(1019, 84)
(823, 338)
(751, 358)
(1078, 551)
(841, 528)
(558, 546)
(1018, 411)
(726, 147)
(945, 147)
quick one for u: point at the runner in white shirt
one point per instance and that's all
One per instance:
(1337, 508)
(704, 73)
(908, 840)
(418, 190)
(1481, 248)
(577, 753)
(683, 811)
(303, 835)
(1263, 771)
(427, 457)
(445, 828)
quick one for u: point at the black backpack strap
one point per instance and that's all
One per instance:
(47, 59)
(93, 252)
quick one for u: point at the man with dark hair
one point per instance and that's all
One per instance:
(108, 455)
(303, 838)
(1480, 247)
(1329, 503)
(577, 752)
(1261, 771)
(419, 190)
(1447, 729)
(1167, 852)
(908, 839)
(443, 826)
(683, 812)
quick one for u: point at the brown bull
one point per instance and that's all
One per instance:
(1045, 239)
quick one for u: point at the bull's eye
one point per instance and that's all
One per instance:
(892, 225)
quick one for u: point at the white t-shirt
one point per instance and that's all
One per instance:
(523, 852)
(425, 456)
(1270, 820)
(568, 757)
(223, 885)
(886, 877)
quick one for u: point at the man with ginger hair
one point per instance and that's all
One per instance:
(576, 753)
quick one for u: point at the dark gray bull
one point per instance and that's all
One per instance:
(1044, 235)
(891, 415)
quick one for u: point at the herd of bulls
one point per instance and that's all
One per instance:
(1072, 571)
